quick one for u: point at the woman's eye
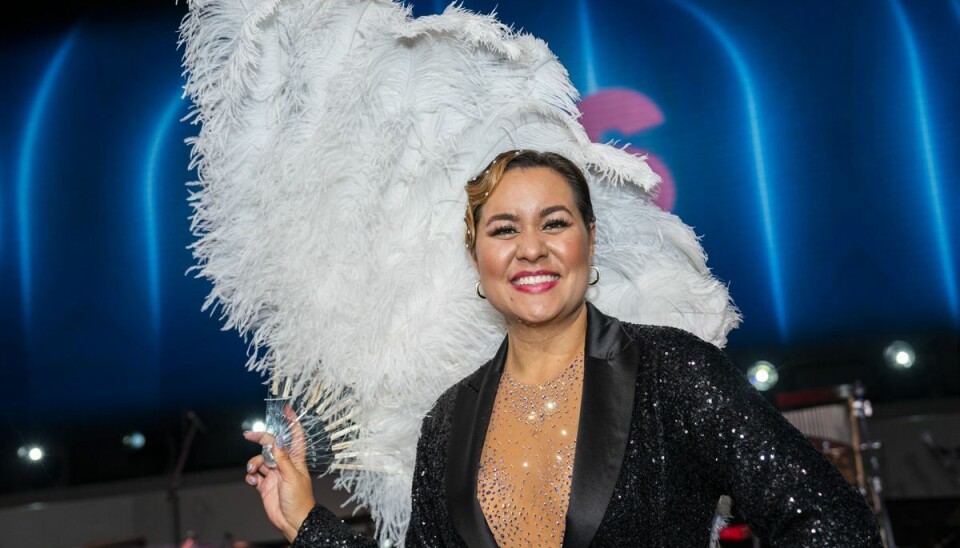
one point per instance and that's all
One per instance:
(503, 231)
(556, 224)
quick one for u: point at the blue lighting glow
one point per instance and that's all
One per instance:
(1, 219)
(152, 166)
(25, 163)
(743, 74)
(933, 180)
(837, 200)
(586, 41)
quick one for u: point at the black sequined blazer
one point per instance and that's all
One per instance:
(667, 425)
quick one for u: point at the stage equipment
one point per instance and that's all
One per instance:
(254, 425)
(31, 453)
(763, 375)
(900, 355)
(834, 419)
(134, 441)
(194, 425)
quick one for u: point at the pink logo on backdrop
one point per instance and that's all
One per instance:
(629, 113)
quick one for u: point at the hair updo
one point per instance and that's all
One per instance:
(480, 187)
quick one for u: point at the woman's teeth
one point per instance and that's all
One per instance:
(533, 280)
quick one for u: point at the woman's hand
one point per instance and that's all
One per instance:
(287, 490)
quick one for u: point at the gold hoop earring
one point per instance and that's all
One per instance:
(481, 295)
(597, 279)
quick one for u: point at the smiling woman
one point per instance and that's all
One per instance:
(585, 430)
(533, 237)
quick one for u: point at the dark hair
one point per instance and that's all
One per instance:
(479, 188)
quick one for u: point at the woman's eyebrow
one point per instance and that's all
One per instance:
(515, 219)
(503, 217)
(553, 209)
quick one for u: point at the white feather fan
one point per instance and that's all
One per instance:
(335, 139)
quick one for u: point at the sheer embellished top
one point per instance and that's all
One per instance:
(523, 484)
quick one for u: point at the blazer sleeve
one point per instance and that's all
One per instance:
(790, 494)
(429, 520)
(323, 528)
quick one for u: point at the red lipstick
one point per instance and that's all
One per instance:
(538, 281)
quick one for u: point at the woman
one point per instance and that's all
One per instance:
(584, 430)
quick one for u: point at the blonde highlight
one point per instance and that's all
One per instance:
(478, 192)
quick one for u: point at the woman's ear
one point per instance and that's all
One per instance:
(593, 239)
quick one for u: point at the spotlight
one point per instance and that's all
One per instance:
(900, 355)
(763, 375)
(134, 441)
(254, 425)
(31, 453)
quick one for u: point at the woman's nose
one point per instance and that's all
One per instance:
(531, 246)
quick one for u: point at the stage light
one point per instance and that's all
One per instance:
(255, 425)
(900, 355)
(32, 453)
(763, 375)
(134, 441)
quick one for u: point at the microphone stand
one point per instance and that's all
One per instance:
(173, 491)
(869, 483)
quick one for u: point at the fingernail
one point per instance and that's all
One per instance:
(250, 468)
(251, 480)
(278, 443)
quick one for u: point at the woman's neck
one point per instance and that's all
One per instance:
(536, 354)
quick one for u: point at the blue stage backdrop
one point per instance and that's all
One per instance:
(812, 144)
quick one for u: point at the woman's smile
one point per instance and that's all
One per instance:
(540, 281)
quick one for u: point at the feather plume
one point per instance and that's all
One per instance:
(334, 140)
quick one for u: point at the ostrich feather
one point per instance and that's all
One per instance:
(335, 137)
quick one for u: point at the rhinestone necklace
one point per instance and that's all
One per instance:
(534, 403)
(523, 484)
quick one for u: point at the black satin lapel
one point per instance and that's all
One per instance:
(606, 409)
(471, 415)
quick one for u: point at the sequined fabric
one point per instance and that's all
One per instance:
(697, 430)
(523, 484)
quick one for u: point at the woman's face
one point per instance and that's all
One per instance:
(533, 249)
